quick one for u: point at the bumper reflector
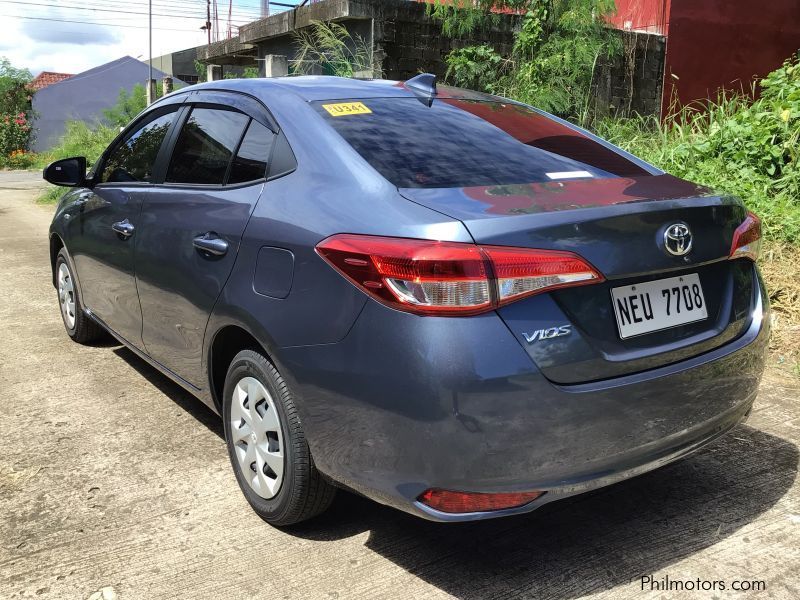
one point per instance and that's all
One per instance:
(466, 502)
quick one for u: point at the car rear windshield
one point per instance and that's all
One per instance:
(464, 143)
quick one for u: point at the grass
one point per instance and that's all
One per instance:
(780, 266)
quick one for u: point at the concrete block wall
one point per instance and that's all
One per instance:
(633, 82)
(407, 41)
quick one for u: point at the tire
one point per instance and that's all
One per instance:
(256, 434)
(80, 327)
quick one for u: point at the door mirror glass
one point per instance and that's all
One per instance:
(69, 172)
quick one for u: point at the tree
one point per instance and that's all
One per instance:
(15, 109)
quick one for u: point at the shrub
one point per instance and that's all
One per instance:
(15, 102)
(15, 133)
(734, 144)
(331, 48)
(19, 159)
(556, 52)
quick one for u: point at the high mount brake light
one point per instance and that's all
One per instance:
(450, 278)
(747, 239)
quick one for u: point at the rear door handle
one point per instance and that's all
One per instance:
(210, 243)
(124, 228)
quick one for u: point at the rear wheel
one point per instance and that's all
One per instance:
(80, 327)
(266, 444)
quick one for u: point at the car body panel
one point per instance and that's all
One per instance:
(406, 403)
(394, 403)
(105, 259)
(177, 295)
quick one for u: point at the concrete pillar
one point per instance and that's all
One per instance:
(150, 91)
(275, 65)
(213, 72)
(167, 85)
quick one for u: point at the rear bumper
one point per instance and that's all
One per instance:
(406, 403)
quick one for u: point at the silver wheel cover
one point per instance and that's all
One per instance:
(66, 295)
(257, 437)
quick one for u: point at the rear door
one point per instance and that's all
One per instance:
(103, 231)
(192, 224)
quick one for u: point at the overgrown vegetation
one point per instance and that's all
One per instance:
(750, 149)
(329, 48)
(15, 115)
(555, 54)
(736, 145)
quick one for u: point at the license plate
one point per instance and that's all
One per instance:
(656, 305)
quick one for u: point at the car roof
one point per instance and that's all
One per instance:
(325, 87)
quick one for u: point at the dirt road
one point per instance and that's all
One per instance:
(112, 477)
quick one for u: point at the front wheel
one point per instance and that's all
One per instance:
(80, 327)
(268, 450)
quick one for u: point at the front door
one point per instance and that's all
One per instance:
(103, 232)
(191, 227)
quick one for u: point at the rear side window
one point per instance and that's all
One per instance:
(205, 146)
(250, 163)
(463, 143)
(134, 158)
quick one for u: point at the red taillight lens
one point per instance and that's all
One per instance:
(747, 239)
(466, 502)
(521, 272)
(416, 275)
(450, 278)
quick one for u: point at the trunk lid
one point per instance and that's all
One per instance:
(618, 225)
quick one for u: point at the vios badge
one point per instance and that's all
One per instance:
(547, 334)
(678, 239)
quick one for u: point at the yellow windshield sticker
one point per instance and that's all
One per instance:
(346, 108)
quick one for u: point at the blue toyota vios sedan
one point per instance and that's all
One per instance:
(449, 302)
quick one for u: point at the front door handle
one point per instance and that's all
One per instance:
(211, 244)
(124, 228)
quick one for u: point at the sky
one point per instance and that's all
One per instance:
(71, 36)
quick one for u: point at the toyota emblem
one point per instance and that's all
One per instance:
(678, 239)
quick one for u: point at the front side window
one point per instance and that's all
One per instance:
(205, 146)
(134, 158)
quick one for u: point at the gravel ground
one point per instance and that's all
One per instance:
(114, 483)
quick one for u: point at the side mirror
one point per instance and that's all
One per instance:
(69, 172)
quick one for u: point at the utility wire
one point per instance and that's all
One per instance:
(91, 7)
(92, 23)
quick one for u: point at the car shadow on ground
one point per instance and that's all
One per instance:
(570, 548)
(173, 391)
(585, 544)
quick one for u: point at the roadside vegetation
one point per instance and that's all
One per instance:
(750, 149)
(15, 116)
(329, 49)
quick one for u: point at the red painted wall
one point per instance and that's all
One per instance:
(726, 43)
(642, 15)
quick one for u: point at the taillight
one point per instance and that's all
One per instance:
(450, 278)
(521, 272)
(467, 502)
(747, 239)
